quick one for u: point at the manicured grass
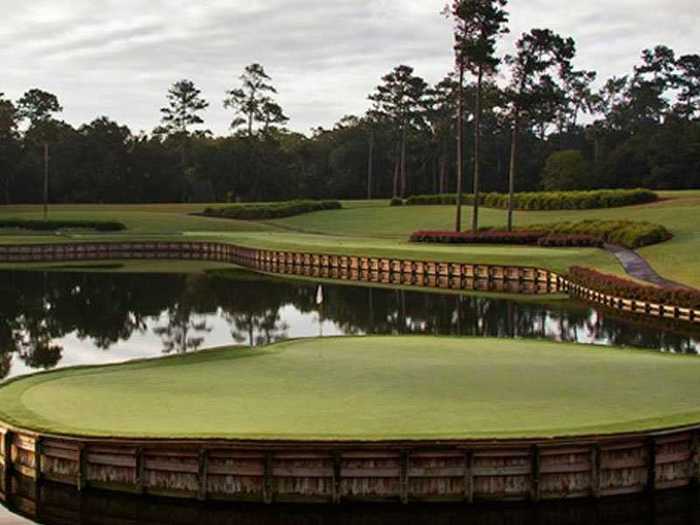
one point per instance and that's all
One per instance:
(367, 388)
(553, 259)
(374, 228)
(676, 259)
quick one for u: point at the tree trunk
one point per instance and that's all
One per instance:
(370, 166)
(460, 148)
(443, 172)
(46, 180)
(477, 152)
(403, 162)
(513, 169)
(397, 170)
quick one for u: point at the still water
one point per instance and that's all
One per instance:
(52, 320)
(62, 505)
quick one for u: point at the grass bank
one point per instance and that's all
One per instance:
(375, 228)
(367, 388)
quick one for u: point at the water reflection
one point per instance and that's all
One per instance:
(52, 504)
(60, 319)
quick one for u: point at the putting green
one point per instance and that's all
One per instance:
(367, 388)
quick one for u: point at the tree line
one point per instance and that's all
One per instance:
(550, 126)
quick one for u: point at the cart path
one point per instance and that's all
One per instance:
(639, 268)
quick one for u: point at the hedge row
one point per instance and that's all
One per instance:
(558, 240)
(519, 237)
(564, 234)
(619, 287)
(51, 225)
(559, 200)
(275, 210)
(629, 234)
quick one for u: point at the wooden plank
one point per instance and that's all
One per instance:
(111, 460)
(566, 468)
(61, 453)
(515, 470)
(236, 470)
(360, 472)
(161, 465)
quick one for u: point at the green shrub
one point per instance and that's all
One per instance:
(275, 210)
(396, 202)
(559, 200)
(55, 225)
(625, 233)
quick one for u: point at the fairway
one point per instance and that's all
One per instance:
(374, 229)
(367, 389)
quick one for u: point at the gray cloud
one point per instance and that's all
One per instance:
(118, 57)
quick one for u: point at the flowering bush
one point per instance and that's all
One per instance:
(482, 237)
(559, 240)
(619, 287)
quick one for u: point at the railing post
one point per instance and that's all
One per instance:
(651, 465)
(405, 460)
(140, 471)
(596, 462)
(268, 489)
(337, 476)
(203, 473)
(38, 450)
(695, 459)
(469, 476)
(535, 488)
(82, 468)
(7, 455)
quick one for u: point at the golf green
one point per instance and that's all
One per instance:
(368, 388)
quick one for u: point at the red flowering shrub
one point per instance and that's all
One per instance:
(482, 237)
(521, 237)
(619, 287)
(554, 240)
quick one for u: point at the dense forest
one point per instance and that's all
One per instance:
(553, 125)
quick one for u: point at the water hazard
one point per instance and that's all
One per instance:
(50, 320)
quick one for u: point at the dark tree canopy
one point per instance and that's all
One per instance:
(185, 103)
(638, 128)
(253, 104)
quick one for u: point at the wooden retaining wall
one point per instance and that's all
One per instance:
(320, 472)
(388, 271)
(57, 504)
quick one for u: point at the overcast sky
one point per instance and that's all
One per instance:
(118, 57)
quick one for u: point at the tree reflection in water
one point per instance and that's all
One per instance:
(40, 312)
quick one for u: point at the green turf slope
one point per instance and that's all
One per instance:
(367, 388)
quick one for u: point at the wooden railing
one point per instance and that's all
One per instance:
(380, 270)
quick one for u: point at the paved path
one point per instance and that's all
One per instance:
(638, 267)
